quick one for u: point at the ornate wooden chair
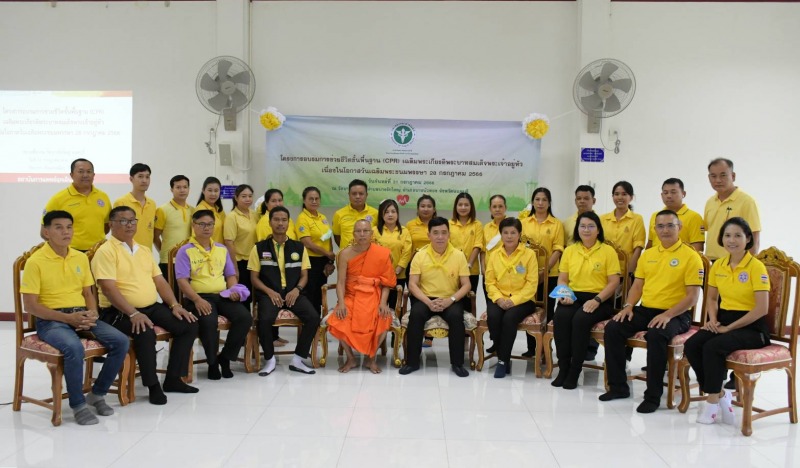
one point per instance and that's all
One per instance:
(597, 331)
(747, 365)
(30, 346)
(436, 327)
(533, 324)
(395, 328)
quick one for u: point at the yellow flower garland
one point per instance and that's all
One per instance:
(535, 126)
(271, 119)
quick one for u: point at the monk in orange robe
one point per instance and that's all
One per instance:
(362, 316)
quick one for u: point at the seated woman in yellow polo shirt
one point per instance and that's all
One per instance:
(210, 199)
(738, 322)
(623, 227)
(466, 235)
(512, 276)
(272, 198)
(389, 233)
(591, 269)
(240, 233)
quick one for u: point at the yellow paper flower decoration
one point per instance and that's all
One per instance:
(271, 119)
(535, 126)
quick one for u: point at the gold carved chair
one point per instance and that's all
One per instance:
(533, 324)
(747, 365)
(395, 328)
(30, 346)
(436, 326)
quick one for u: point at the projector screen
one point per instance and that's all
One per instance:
(42, 132)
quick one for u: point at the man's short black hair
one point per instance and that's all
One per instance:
(56, 214)
(140, 167)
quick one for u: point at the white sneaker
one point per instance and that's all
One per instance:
(708, 413)
(726, 408)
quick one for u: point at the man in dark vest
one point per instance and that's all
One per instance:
(279, 271)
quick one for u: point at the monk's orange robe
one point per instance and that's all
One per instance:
(367, 273)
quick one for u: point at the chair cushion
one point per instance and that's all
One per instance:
(34, 343)
(221, 320)
(161, 334)
(766, 355)
(437, 322)
(678, 340)
(600, 326)
(286, 317)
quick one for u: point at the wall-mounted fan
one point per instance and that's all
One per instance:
(225, 85)
(603, 88)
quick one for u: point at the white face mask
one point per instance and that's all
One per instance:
(327, 235)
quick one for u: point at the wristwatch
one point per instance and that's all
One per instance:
(453, 298)
(598, 299)
(299, 288)
(626, 305)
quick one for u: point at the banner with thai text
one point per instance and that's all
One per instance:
(403, 159)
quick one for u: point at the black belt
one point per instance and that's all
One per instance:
(71, 310)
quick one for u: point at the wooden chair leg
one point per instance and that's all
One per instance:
(322, 339)
(479, 332)
(672, 371)
(132, 376)
(404, 339)
(472, 340)
(537, 365)
(748, 384)
(122, 382)
(547, 346)
(19, 378)
(398, 336)
(792, 395)
(683, 376)
(56, 377)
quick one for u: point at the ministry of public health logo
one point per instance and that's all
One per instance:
(403, 134)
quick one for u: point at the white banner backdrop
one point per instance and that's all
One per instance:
(403, 159)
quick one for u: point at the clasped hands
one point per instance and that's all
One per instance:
(439, 304)
(83, 320)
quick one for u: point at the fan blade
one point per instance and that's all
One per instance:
(219, 102)
(623, 84)
(238, 100)
(222, 70)
(241, 78)
(592, 102)
(612, 104)
(608, 69)
(587, 82)
(209, 84)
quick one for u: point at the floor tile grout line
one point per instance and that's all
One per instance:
(349, 423)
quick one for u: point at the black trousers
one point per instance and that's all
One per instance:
(144, 343)
(503, 326)
(474, 281)
(316, 280)
(707, 351)
(552, 281)
(236, 313)
(244, 279)
(420, 313)
(268, 312)
(165, 273)
(616, 336)
(573, 327)
(393, 296)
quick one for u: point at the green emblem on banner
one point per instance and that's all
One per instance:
(403, 134)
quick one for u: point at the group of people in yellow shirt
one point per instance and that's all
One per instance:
(440, 259)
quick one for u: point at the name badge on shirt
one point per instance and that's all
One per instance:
(295, 256)
(520, 269)
(266, 255)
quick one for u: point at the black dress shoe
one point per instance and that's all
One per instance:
(213, 372)
(500, 370)
(460, 371)
(405, 370)
(225, 366)
(612, 395)
(647, 407)
(560, 378)
(301, 370)
(178, 386)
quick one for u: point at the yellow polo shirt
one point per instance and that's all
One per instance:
(175, 223)
(627, 233)
(58, 281)
(693, 229)
(439, 275)
(254, 263)
(345, 218)
(717, 212)
(399, 243)
(589, 269)
(133, 271)
(491, 231)
(146, 214)
(569, 228)
(219, 221)
(315, 227)
(467, 237)
(514, 277)
(241, 229)
(264, 230)
(90, 214)
(667, 273)
(549, 234)
(419, 234)
(737, 286)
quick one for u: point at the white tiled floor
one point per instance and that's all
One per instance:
(428, 419)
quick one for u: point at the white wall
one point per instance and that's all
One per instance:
(713, 79)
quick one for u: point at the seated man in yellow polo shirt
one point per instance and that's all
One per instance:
(439, 279)
(130, 283)
(345, 218)
(279, 272)
(88, 205)
(57, 290)
(204, 270)
(142, 205)
(668, 281)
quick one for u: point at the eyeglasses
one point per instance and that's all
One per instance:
(587, 227)
(662, 227)
(126, 222)
(205, 225)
